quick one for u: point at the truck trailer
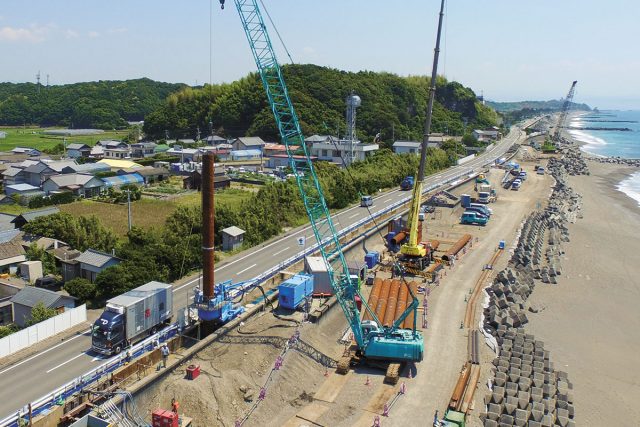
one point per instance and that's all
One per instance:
(131, 316)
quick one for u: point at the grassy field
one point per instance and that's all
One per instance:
(146, 213)
(34, 138)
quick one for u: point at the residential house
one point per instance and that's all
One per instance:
(117, 153)
(232, 238)
(20, 189)
(248, 143)
(13, 175)
(27, 217)
(271, 149)
(110, 143)
(186, 155)
(30, 296)
(116, 149)
(328, 148)
(161, 148)
(120, 180)
(93, 262)
(41, 171)
(6, 221)
(215, 140)
(141, 150)
(31, 152)
(87, 168)
(152, 175)
(403, 147)
(116, 165)
(486, 135)
(11, 251)
(82, 185)
(76, 150)
(194, 181)
(282, 160)
(246, 155)
(67, 259)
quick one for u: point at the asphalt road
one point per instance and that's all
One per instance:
(44, 372)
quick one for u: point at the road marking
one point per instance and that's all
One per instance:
(40, 354)
(64, 363)
(187, 284)
(280, 251)
(242, 271)
(354, 215)
(388, 200)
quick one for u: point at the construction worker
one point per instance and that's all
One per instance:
(175, 405)
(165, 354)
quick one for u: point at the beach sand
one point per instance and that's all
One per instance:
(590, 320)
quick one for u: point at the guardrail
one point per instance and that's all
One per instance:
(95, 374)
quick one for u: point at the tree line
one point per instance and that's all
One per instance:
(392, 106)
(102, 104)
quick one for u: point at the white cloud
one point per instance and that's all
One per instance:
(117, 30)
(93, 34)
(71, 34)
(33, 34)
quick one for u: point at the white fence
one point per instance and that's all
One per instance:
(466, 159)
(43, 330)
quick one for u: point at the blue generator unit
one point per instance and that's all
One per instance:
(372, 259)
(294, 291)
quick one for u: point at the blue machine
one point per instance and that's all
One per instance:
(372, 259)
(294, 291)
(407, 183)
(221, 308)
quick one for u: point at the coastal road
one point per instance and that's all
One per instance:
(47, 370)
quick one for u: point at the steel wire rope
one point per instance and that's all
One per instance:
(277, 32)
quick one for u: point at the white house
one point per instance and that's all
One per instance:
(486, 135)
(248, 143)
(328, 148)
(83, 185)
(403, 147)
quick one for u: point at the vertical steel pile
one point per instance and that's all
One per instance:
(208, 215)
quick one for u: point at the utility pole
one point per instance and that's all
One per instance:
(129, 207)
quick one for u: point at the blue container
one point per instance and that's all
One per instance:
(501, 244)
(391, 235)
(293, 292)
(465, 199)
(372, 259)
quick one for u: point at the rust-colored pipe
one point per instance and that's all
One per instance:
(456, 247)
(398, 238)
(208, 216)
(382, 300)
(434, 244)
(373, 298)
(402, 300)
(408, 322)
(392, 303)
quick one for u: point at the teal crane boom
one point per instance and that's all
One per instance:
(373, 340)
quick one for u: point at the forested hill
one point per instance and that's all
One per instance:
(392, 105)
(102, 104)
(552, 105)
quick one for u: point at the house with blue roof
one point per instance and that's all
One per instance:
(120, 180)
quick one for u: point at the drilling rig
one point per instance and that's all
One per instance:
(415, 254)
(563, 113)
(373, 340)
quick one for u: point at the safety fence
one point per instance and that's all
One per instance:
(43, 330)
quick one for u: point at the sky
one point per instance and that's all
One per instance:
(508, 50)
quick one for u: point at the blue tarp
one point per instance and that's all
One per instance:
(117, 181)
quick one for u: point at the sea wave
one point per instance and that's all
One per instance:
(631, 187)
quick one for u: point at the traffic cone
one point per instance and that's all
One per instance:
(385, 410)
(326, 372)
(403, 388)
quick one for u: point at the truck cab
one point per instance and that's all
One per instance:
(407, 183)
(484, 197)
(515, 185)
(107, 333)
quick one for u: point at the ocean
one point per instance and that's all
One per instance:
(612, 143)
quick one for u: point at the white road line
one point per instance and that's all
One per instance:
(280, 251)
(187, 284)
(388, 200)
(40, 354)
(64, 363)
(242, 271)
(354, 215)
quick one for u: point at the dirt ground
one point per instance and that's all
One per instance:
(303, 392)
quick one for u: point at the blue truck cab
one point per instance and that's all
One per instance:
(407, 183)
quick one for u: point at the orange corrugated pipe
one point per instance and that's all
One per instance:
(392, 302)
(408, 323)
(398, 238)
(402, 301)
(382, 299)
(373, 297)
(456, 248)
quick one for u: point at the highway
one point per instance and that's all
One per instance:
(44, 372)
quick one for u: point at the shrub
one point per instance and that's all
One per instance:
(81, 289)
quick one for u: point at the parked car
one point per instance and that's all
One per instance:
(47, 282)
(540, 171)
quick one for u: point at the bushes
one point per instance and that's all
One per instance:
(53, 199)
(81, 289)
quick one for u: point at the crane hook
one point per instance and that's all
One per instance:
(222, 4)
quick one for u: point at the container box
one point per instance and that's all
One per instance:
(162, 418)
(372, 259)
(193, 371)
(293, 292)
(465, 200)
(316, 267)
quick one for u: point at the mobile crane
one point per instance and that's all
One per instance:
(414, 254)
(373, 341)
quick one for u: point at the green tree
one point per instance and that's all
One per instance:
(40, 313)
(470, 141)
(36, 253)
(6, 330)
(81, 288)
(80, 232)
